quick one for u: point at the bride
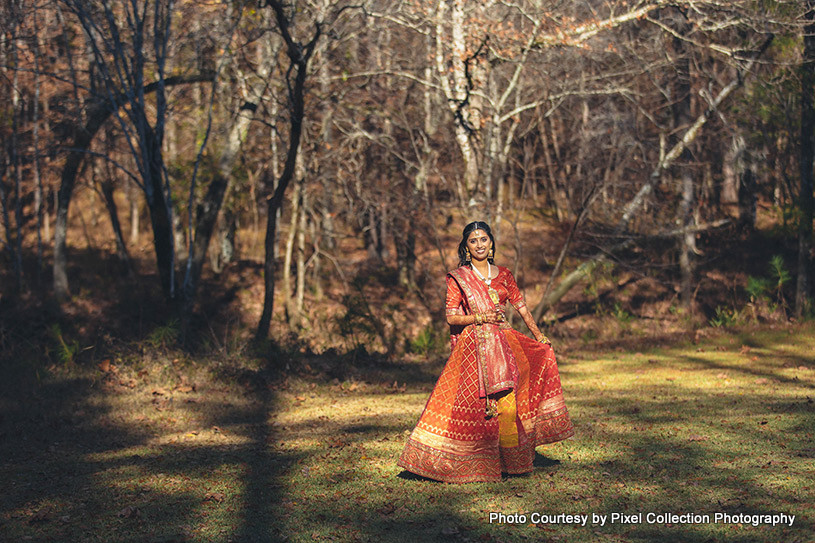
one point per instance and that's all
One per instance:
(499, 394)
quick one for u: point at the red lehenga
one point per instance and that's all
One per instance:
(454, 441)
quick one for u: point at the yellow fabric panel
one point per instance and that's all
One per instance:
(507, 429)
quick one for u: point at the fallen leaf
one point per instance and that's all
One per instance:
(104, 365)
(44, 514)
(216, 497)
(129, 512)
(336, 443)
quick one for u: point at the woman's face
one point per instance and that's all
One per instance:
(479, 244)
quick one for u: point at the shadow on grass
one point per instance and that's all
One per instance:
(78, 469)
(709, 453)
(649, 447)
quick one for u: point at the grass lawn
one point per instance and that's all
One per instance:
(199, 451)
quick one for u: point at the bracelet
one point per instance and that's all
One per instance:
(479, 319)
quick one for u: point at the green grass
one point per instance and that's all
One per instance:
(722, 425)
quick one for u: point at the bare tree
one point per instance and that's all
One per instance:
(126, 43)
(299, 55)
(119, 37)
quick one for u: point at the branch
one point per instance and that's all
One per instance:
(631, 208)
(104, 156)
(587, 267)
(580, 34)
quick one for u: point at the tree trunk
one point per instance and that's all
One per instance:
(288, 296)
(106, 185)
(682, 117)
(228, 248)
(38, 192)
(208, 209)
(16, 164)
(8, 243)
(687, 248)
(456, 91)
(160, 214)
(805, 197)
(731, 170)
(406, 256)
(273, 204)
(747, 199)
(134, 214)
(81, 142)
(299, 56)
(301, 256)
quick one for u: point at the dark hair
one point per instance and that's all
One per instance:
(469, 229)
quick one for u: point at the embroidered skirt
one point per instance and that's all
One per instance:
(455, 443)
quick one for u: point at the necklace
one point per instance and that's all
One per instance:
(488, 278)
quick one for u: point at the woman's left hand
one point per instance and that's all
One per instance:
(494, 316)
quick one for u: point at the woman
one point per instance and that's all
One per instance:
(499, 395)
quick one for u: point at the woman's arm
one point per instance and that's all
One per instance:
(517, 300)
(493, 316)
(533, 327)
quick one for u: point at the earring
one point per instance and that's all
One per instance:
(468, 258)
(490, 254)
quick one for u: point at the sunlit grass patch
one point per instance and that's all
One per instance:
(723, 424)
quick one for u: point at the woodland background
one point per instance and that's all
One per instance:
(214, 173)
(224, 229)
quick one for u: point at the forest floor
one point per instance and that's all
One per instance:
(162, 447)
